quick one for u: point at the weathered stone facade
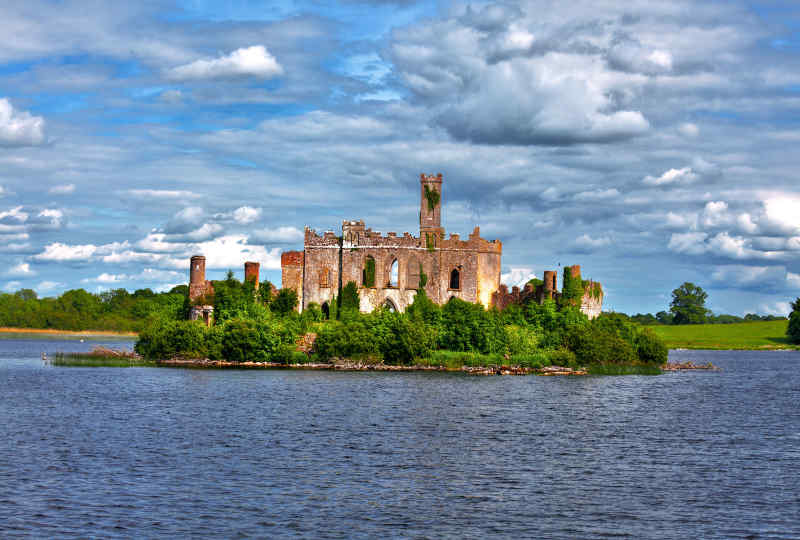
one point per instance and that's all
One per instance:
(445, 267)
(389, 269)
(591, 302)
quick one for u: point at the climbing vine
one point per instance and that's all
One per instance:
(432, 196)
(423, 277)
(572, 290)
(369, 272)
(429, 243)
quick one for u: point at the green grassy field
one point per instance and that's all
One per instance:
(754, 335)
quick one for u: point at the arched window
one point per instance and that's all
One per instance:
(325, 278)
(368, 273)
(455, 279)
(393, 275)
(388, 304)
(326, 310)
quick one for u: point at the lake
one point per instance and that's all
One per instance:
(164, 452)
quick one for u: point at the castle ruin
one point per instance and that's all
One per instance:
(389, 269)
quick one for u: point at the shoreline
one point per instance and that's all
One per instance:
(354, 366)
(69, 333)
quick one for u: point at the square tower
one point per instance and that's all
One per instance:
(430, 206)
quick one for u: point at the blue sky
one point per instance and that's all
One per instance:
(651, 142)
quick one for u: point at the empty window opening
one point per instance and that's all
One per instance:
(455, 279)
(393, 274)
(368, 273)
(389, 305)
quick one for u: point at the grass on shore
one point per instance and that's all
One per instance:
(94, 360)
(744, 336)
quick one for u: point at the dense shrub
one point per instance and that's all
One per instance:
(345, 340)
(521, 340)
(406, 340)
(650, 348)
(164, 339)
(599, 345)
(249, 341)
(285, 302)
(468, 327)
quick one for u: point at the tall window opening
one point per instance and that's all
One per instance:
(324, 278)
(455, 279)
(368, 273)
(393, 275)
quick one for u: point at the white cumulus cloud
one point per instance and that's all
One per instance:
(255, 61)
(19, 128)
(672, 176)
(517, 276)
(246, 214)
(63, 252)
(21, 269)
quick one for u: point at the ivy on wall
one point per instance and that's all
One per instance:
(432, 196)
(572, 290)
(423, 277)
(430, 244)
(369, 272)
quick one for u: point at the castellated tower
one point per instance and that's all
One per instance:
(430, 205)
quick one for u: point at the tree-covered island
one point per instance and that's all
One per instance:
(252, 325)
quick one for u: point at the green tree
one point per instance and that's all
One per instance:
(348, 300)
(688, 304)
(285, 302)
(793, 331)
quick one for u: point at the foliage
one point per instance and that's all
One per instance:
(430, 244)
(423, 277)
(572, 289)
(793, 328)
(521, 340)
(265, 292)
(348, 300)
(165, 339)
(249, 341)
(688, 304)
(432, 196)
(401, 340)
(468, 327)
(285, 302)
(349, 339)
(369, 272)
(650, 348)
(599, 345)
(425, 310)
(535, 282)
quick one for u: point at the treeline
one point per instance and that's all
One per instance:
(688, 306)
(663, 317)
(116, 310)
(249, 327)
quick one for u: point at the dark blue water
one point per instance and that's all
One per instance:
(156, 452)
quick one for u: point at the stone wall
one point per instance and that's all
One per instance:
(476, 260)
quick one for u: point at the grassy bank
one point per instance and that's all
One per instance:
(746, 336)
(90, 360)
(65, 333)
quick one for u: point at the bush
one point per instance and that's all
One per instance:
(162, 339)
(249, 341)
(468, 327)
(285, 302)
(345, 340)
(650, 348)
(597, 345)
(521, 340)
(406, 341)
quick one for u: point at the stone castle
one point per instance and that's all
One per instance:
(390, 269)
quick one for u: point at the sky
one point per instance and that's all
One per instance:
(651, 142)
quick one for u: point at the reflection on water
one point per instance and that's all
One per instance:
(169, 452)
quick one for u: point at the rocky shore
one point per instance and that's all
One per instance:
(357, 366)
(689, 366)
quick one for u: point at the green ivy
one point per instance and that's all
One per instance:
(429, 243)
(423, 277)
(572, 290)
(433, 198)
(369, 272)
